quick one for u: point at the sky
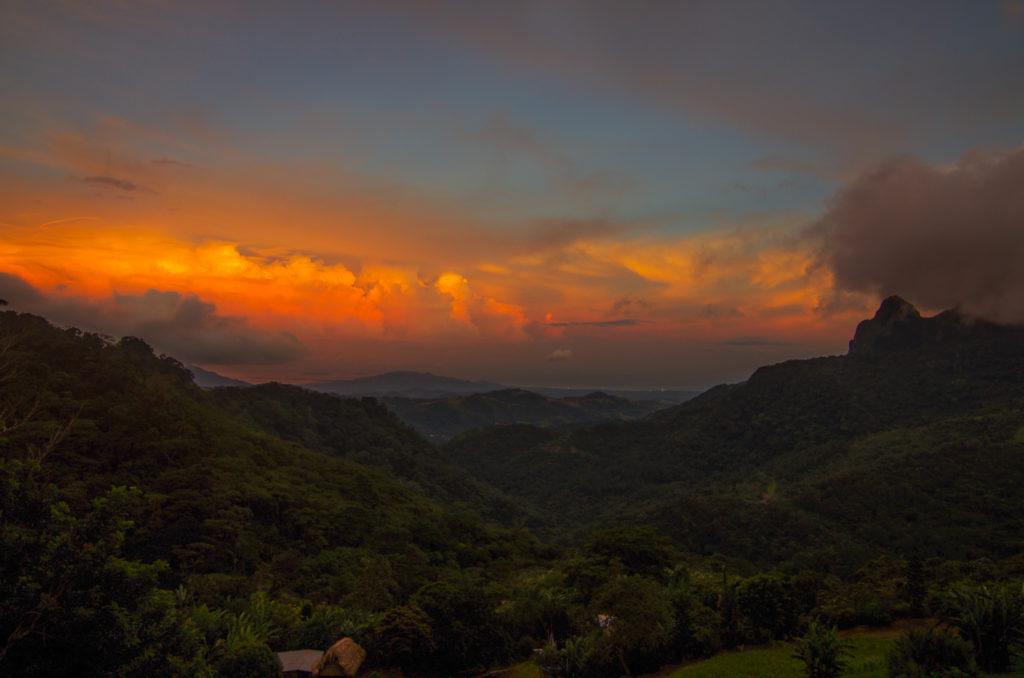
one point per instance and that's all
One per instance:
(600, 194)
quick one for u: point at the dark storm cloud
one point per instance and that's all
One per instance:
(114, 182)
(557, 233)
(624, 322)
(170, 162)
(627, 302)
(508, 139)
(941, 237)
(795, 70)
(191, 328)
(718, 311)
(753, 341)
(1013, 10)
(181, 325)
(17, 292)
(794, 166)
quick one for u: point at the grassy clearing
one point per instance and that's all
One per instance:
(868, 648)
(525, 670)
(867, 660)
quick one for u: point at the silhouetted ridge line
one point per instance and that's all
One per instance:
(899, 326)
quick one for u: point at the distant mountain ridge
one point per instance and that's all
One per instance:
(424, 385)
(208, 379)
(443, 418)
(404, 383)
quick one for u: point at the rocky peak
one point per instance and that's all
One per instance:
(898, 326)
(895, 309)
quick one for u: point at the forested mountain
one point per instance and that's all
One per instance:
(912, 441)
(405, 385)
(150, 527)
(441, 419)
(208, 379)
(441, 407)
(121, 479)
(364, 431)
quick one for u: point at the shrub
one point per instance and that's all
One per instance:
(573, 660)
(256, 660)
(327, 624)
(403, 636)
(770, 605)
(931, 652)
(821, 651)
(636, 620)
(993, 620)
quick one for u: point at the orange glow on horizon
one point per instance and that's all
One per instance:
(372, 260)
(776, 289)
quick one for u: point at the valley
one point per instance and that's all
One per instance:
(178, 529)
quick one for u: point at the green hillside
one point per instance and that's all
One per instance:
(908, 444)
(443, 418)
(153, 528)
(120, 473)
(364, 431)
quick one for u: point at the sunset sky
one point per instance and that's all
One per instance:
(591, 194)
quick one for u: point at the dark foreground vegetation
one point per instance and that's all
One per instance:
(150, 527)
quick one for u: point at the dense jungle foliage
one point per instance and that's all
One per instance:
(440, 419)
(150, 527)
(912, 443)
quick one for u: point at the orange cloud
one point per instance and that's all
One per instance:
(295, 289)
(329, 255)
(753, 280)
(457, 287)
